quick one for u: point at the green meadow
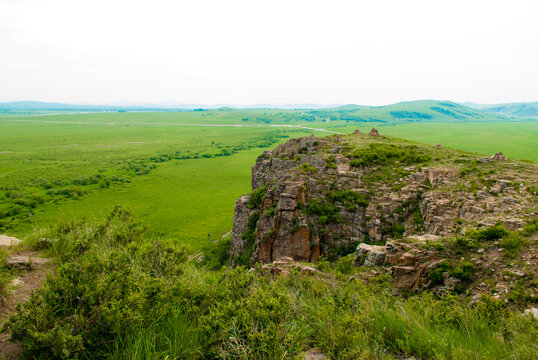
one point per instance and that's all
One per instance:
(182, 181)
(181, 172)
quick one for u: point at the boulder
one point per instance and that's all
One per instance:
(370, 255)
(314, 354)
(498, 157)
(285, 264)
(513, 224)
(532, 312)
(8, 241)
(44, 243)
(24, 262)
(404, 277)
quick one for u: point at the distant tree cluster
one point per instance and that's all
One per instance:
(447, 112)
(410, 115)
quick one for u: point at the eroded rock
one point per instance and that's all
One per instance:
(8, 241)
(498, 157)
(24, 262)
(370, 255)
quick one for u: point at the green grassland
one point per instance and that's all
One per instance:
(182, 176)
(181, 180)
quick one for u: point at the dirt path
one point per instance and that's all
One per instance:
(24, 283)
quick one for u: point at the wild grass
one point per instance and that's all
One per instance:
(5, 276)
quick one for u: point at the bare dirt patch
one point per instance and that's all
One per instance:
(23, 286)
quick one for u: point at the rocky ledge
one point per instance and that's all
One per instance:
(316, 197)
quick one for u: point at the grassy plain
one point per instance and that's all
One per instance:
(182, 181)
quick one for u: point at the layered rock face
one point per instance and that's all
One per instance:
(317, 197)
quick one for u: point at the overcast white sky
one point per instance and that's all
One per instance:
(248, 52)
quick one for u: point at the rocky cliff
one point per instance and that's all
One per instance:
(317, 197)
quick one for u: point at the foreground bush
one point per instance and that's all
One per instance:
(118, 296)
(110, 279)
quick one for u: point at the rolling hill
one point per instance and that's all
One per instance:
(520, 109)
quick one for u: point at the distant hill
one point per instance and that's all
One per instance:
(122, 106)
(406, 112)
(511, 109)
(46, 106)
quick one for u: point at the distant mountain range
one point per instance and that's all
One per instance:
(451, 109)
(125, 106)
(520, 109)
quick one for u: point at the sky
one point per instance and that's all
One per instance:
(259, 52)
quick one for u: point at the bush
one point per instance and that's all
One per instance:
(328, 213)
(512, 243)
(349, 198)
(330, 162)
(256, 197)
(110, 279)
(271, 210)
(5, 276)
(215, 255)
(462, 270)
(385, 154)
(489, 234)
(531, 228)
(307, 169)
(460, 244)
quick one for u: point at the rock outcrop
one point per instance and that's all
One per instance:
(498, 157)
(9, 241)
(323, 196)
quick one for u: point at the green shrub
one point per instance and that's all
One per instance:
(385, 154)
(328, 213)
(531, 227)
(349, 198)
(395, 230)
(271, 210)
(256, 197)
(5, 276)
(307, 169)
(461, 244)
(330, 162)
(215, 255)
(462, 270)
(512, 243)
(110, 279)
(489, 234)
